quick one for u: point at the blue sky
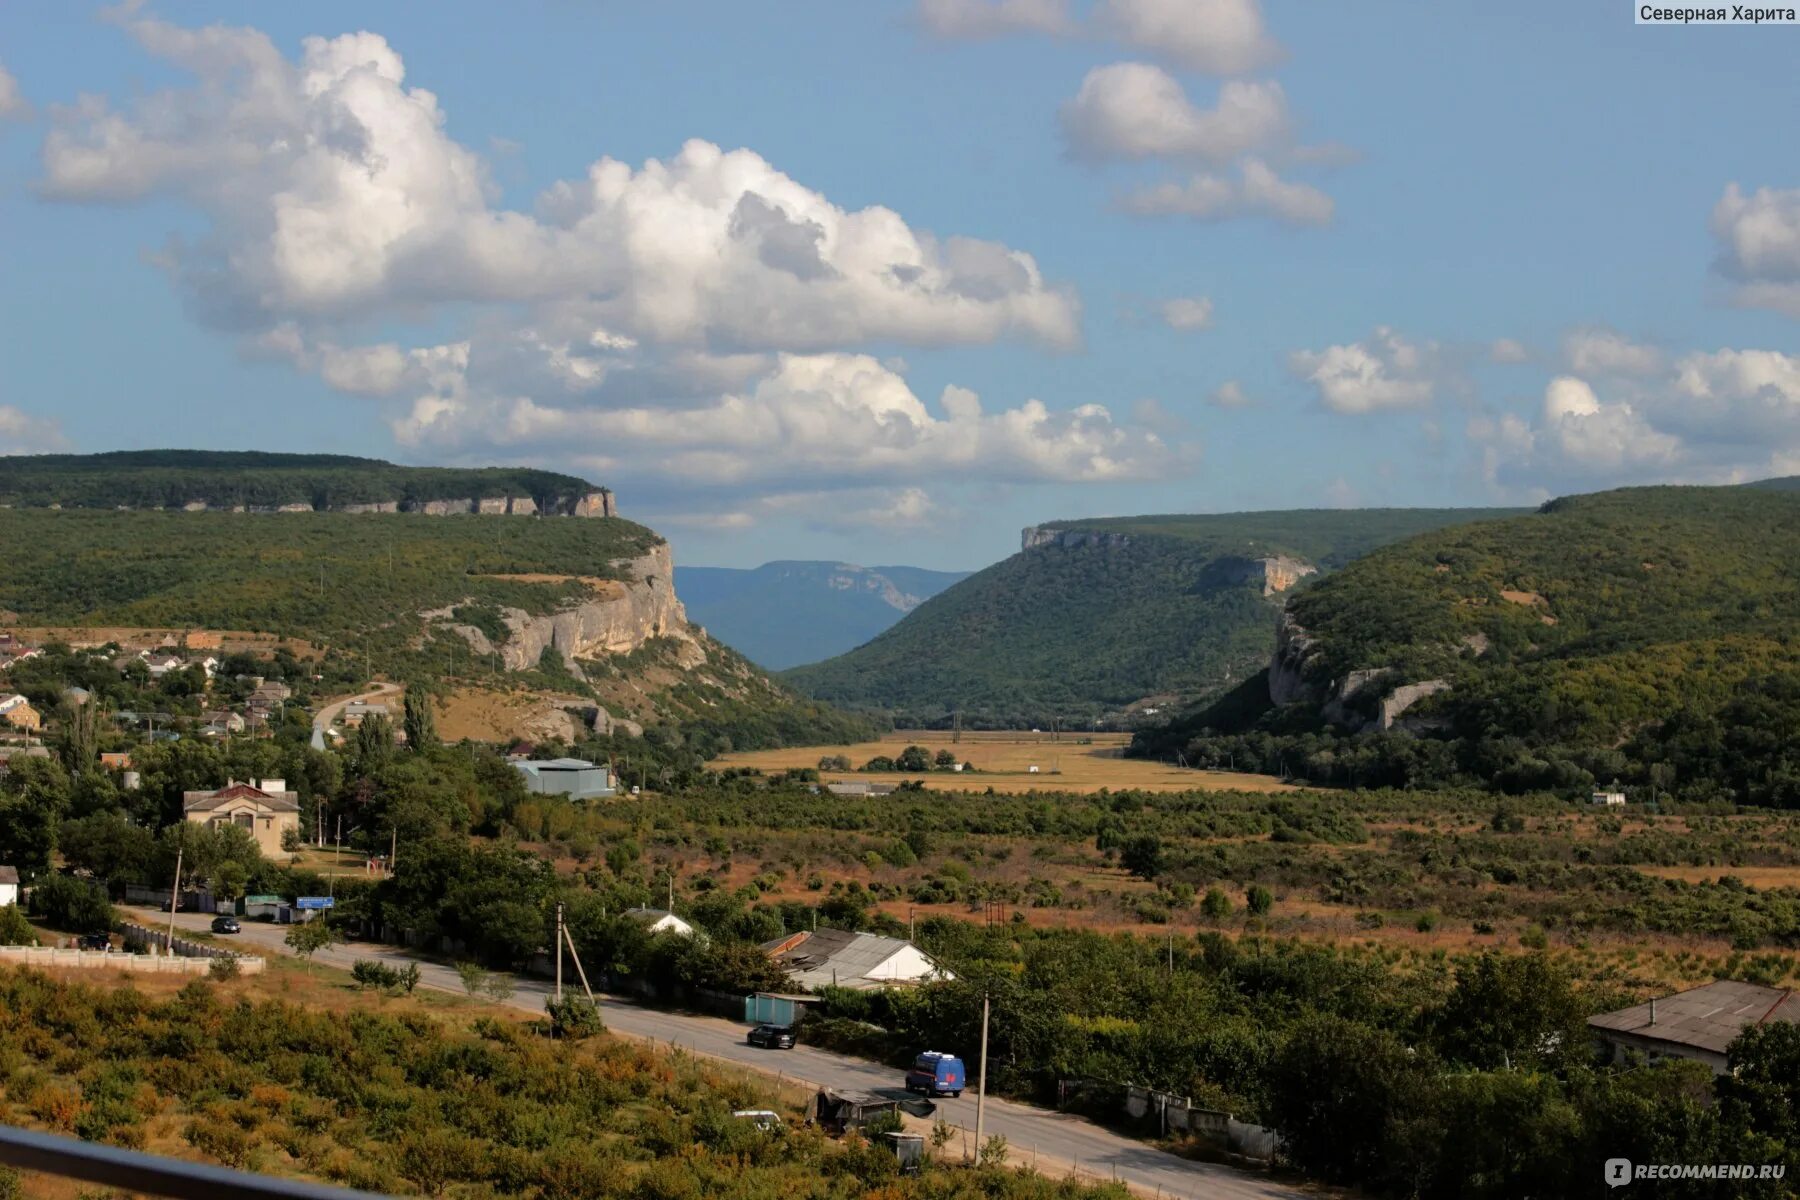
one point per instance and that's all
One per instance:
(1192, 255)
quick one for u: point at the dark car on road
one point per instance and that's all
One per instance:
(226, 925)
(95, 941)
(773, 1037)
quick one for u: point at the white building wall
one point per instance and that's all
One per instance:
(907, 965)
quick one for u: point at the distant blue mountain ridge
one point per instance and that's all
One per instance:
(784, 614)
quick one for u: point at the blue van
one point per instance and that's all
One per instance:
(937, 1074)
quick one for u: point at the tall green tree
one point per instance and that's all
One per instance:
(421, 725)
(78, 736)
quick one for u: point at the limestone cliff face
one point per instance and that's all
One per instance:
(1281, 573)
(1294, 650)
(1364, 699)
(618, 618)
(588, 504)
(1036, 536)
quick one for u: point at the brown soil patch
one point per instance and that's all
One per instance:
(1759, 877)
(484, 715)
(1530, 600)
(1005, 761)
(607, 588)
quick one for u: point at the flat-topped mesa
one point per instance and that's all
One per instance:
(600, 503)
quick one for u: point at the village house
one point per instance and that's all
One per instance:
(357, 711)
(860, 787)
(575, 778)
(1700, 1023)
(658, 920)
(264, 807)
(9, 886)
(17, 711)
(222, 721)
(859, 961)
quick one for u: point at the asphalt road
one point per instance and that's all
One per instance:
(1051, 1138)
(328, 715)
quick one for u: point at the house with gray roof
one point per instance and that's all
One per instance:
(575, 778)
(861, 961)
(1700, 1023)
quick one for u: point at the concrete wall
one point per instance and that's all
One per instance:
(1174, 1114)
(148, 964)
(141, 939)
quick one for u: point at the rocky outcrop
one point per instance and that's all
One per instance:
(620, 617)
(1357, 701)
(1036, 537)
(1288, 666)
(1281, 573)
(847, 577)
(1275, 574)
(1404, 697)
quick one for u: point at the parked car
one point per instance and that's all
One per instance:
(772, 1037)
(937, 1074)
(95, 941)
(224, 924)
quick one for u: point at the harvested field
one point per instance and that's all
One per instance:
(1004, 762)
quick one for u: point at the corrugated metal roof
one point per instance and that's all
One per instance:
(1709, 1017)
(835, 956)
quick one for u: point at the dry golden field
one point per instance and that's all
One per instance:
(1004, 762)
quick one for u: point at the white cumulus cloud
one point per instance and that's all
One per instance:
(1230, 394)
(1385, 371)
(1136, 110)
(1222, 37)
(1759, 246)
(13, 105)
(334, 192)
(1257, 192)
(1707, 417)
(1186, 314)
(1606, 352)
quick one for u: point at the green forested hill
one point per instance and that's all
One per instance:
(1650, 635)
(335, 577)
(360, 585)
(1104, 614)
(227, 478)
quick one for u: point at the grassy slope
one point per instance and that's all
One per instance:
(1077, 632)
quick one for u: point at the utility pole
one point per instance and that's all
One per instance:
(559, 950)
(981, 1083)
(393, 847)
(174, 898)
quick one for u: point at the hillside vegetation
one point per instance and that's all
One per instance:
(1646, 635)
(227, 478)
(406, 1102)
(334, 577)
(365, 587)
(782, 614)
(1081, 627)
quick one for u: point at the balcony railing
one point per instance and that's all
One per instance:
(151, 1174)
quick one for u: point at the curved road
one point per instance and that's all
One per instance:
(327, 715)
(1033, 1134)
